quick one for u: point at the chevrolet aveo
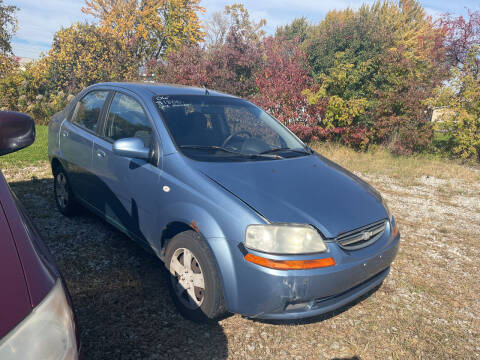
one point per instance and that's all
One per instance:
(246, 218)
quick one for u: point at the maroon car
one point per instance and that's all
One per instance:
(36, 317)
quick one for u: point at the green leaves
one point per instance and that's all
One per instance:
(8, 26)
(459, 104)
(374, 67)
(342, 113)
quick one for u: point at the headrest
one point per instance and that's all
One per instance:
(197, 120)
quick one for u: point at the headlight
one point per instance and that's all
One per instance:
(387, 209)
(284, 239)
(47, 333)
(391, 218)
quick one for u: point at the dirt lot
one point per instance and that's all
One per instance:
(429, 306)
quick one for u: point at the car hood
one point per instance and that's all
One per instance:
(308, 189)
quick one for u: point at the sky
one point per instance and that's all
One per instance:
(38, 20)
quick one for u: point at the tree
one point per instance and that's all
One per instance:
(375, 67)
(236, 17)
(462, 34)
(226, 64)
(229, 67)
(8, 64)
(217, 27)
(186, 66)
(459, 98)
(149, 29)
(412, 68)
(281, 79)
(297, 30)
(82, 55)
(8, 26)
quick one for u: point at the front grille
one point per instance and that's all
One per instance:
(362, 237)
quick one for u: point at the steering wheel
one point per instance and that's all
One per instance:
(236, 133)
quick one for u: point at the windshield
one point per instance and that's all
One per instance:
(206, 127)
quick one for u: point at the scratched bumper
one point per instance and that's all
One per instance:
(317, 306)
(275, 294)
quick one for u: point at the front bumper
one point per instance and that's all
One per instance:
(276, 294)
(318, 306)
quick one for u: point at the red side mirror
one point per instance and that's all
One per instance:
(17, 131)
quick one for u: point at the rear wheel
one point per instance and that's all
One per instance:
(64, 198)
(194, 281)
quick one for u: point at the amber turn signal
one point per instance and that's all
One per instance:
(395, 231)
(290, 264)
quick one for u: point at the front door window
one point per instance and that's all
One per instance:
(126, 119)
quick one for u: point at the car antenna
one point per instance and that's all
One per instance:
(206, 92)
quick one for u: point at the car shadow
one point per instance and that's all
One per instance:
(119, 291)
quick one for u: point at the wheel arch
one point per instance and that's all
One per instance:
(172, 229)
(182, 216)
(56, 164)
(208, 228)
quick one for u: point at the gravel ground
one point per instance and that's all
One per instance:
(428, 307)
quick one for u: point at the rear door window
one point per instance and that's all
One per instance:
(126, 119)
(88, 109)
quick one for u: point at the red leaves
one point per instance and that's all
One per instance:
(228, 67)
(386, 59)
(461, 35)
(281, 79)
(356, 136)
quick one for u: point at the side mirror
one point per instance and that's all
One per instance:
(17, 131)
(131, 147)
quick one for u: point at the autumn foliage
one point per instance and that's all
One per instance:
(361, 77)
(148, 28)
(227, 64)
(281, 79)
(459, 102)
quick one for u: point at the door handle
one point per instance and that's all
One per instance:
(64, 133)
(100, 154)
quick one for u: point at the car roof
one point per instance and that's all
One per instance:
(147, 88)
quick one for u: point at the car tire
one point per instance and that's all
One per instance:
(194, 302)
(64, 198)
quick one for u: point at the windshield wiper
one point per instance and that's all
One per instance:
(279, 149)
(219, 148)
(209, 147)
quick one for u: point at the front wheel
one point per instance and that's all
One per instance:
(64, 198)
(194, 281)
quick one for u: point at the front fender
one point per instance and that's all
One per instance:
(220, 217)
(205, 224)
(194, 216)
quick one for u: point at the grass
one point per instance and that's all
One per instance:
(32, 154)
(402, 168)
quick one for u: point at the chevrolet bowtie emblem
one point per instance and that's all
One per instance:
(366, 235)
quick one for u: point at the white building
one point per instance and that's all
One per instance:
(23, 61)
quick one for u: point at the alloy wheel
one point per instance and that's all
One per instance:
(187, 278)
(61, 190)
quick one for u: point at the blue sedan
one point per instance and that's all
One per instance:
(246, 218)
